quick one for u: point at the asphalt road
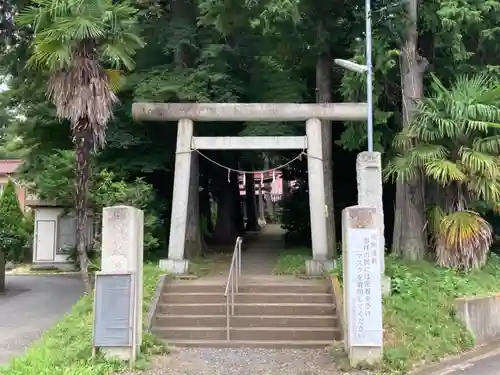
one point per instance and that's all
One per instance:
(486, 366)
(31, 305)
(489, 365)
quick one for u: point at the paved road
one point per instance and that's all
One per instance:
(486, 366)
(484, 360)
(489, 365)
(31, 305)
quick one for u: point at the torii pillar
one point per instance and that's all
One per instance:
(312, 114)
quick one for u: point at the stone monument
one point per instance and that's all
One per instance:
(362, 285)
(119, 323)
(369, 176)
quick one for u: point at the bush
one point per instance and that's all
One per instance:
(109, 190)
(296, 217)
(54, 181)
(420, 322)
(13, 231)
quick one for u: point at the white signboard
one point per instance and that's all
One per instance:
(364, 292)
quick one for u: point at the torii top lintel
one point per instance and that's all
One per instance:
(249, 111)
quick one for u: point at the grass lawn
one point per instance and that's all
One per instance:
(419, 320)
(66, 348)
(212, 264)
(292, 261)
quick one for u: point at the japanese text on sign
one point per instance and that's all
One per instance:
(364, 288)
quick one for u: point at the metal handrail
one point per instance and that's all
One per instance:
(232, 283)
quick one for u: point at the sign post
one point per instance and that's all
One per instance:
(362, 285)
(118, 294)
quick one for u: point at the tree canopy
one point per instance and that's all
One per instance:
(258, 51)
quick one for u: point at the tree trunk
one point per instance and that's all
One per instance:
(252, 224)
(225, 227)
(324, 95)
(267, 188)
(260, 197)
(237, 211)
(205, 208)
(83, 140)
(409, 237)
(194, 241)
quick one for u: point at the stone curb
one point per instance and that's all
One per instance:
(460, 362)
(11, 273)
(160, 286)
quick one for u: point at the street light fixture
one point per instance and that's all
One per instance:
(366, 69)
(352, 66)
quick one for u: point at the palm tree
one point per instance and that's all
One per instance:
(74, 42)
(455, 141)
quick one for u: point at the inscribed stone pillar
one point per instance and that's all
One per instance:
(322, 253)
(122, 251)
(369, 176)
(176, 262)
(362, 285)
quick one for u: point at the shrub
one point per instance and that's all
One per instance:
(13, 233)
(463, 172)
(295, 216)
(54, 178)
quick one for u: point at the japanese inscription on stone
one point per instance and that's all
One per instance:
(364, 291)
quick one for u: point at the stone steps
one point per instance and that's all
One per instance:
(281, 313)
(250, 344)
(166, 320)
(249, 308)
(248, 333)
(190, 298)
(304, 286)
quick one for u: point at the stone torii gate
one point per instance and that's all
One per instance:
(312, 114)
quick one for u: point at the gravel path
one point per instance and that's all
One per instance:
(208, 361)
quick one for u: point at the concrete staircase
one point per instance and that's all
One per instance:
(272, 312)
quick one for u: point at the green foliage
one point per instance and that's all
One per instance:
(292, 261)
(62, 27)
(420, 322)
(9, 203)
(111, 191)
(295, 217)
(216, 51)
(353, 88)
(13, 233)
(455, 37)
(68, 345)
(55, 182)
(457, 138)
(71, 40)
(419, 317)
(455, 141)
